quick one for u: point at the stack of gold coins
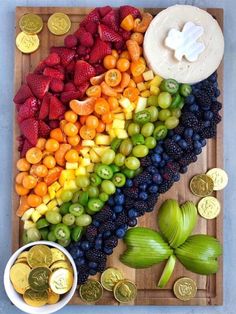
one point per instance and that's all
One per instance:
(41, 275)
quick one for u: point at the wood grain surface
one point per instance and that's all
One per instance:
(210, 288)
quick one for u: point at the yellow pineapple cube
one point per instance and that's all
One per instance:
(100, 149)
(52, 192)
(88, 143)
(29, 224)
(59, 201)
(118, 124)
(52, 204)
(80, 171)
(154, 90)
(46, 198)
(119, 116)
(120, 133)
(42, 209)
(84, 151)
(156, 80)
(102, 139)
(90, 168)
(70, 185)
(141, 86)
(124, 102)
(128, 115)
(66, 175)
(145, 93)
(141, 104)
(72, 165)
(148, 75)
(56, 186)
(94, 156)
(35, 216)
(85, 161)
(58, 193)
(27, 214)
(108, 127)
(55, 209)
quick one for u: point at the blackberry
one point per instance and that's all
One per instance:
(173, 149)
(107, 226)
(146, 161)
(208, 88)
(101, 266)
(217, 118)
(94, 255)
(83, 273)
(129, 202)
(187, 159)
(143, 178)
(216, 106)
(122, 219)
(179, 130)
(199, 126)
(208, 132)
(152, 199)
(131, 193)
(165, 186)
(173, 165)
(189, 142)
(111, 242)
(141, 207)
(203, 98)
(105, 214)
(167, 174)
(91, 233)
(189, 120)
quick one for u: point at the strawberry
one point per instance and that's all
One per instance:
(71, 67)
(56, 85)
(83, 72)
(39, 84)
(44, 129)
(107, 34)
(69, 86)
(91, 27)
(29, 128)
(25, 146)
(65, 54)
(86, 39)
(128, 9)
(111, 20)
(52, 59)
(82, 88)
(40, 67)
(44, 109)
(23, 93)
(79, 31)
(28, 109)
(69, 95)
(70, 41)
(93, 16)
(53, 73)
(99, 51)
(56, 108)
(104, 10)
(125, 34)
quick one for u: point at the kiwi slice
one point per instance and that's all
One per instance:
(167, 272)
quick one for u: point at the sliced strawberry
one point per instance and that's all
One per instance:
(68, 87)
(80, 31)
(70, 41)
(93, 16)
(104, 10)
(86, 39)
(23, 93)
(83, 72)
(44, 109)
(56, 108)
(84, 107)
(68, 96)
(52, 59)
(99, 51)
(53, 73)
(40, 67)
(107, 34)
(29, 129)
(82, 88)
(128, 9)
(91, 27)
(56, 85)
(26, 145)
(111, 20)
(44, 129)
(65, 54)
(71, 67)
(39, 84)
(28, 109)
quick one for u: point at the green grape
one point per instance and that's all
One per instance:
(76, 196)
(133, 128)
(51, 236)
(140, 151)
(68, 219)
(147, 129)
(82, 181)
(108, 187)
(108, 156)
(126, 147)
(64, 242)
(103, 197)
(150, 142)
(176, 112)
(164, 114)
(33, 234)
(132, 163)
(66, 196)
(171, 122)
(93, 191)
(83, 220)
(164, 100)
(53, 217)
(152, 100)
(64, 208)
(153, 112)
(119, 160)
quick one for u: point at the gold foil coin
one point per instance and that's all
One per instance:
(31, 23)
(27, 43)
(57, 255)
(39, 278)
(201, 185)
(209, 207)
(39, 255)
(61, 264)
(53, 297)
(110, 277)
(91, 291)
(185, 289)
(219, 177)
(35, 298)
(59, 23)
(23, 255)
(19, 274)
(125, 291)
(61, 281)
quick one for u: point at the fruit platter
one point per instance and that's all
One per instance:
(118, 149)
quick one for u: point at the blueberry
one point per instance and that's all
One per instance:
(208, 115)
(143, 196)
(120, 232)
(92, 272)
(129, 183)
(118, 190)
(96, 223)
(157, 178)
(190, 99)
(85, 245)
(124, 227)
(217, 93)
(156, 158)
(143, 187)
(107, 250)
(111, 201)
(197, 144)
(196, 137)
(93, 265)
(153, 189)
(197, 151)
(113, 217)
(203, 142)
(176, 177)
(205, 107)
(183, 169)
(194, 108)
(119, 199)
(152, 169)
(158, 149)
(162, 163)
(171, 133)
(118, 209)
(132, 213)
(176, 137)
(165, 157)
(188, 133)
(133, 222)
(98, 241)
(213, 77)
(106, 234)
(183, 144)
(80, 261)
(98, 244)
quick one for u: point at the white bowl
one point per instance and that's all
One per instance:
(17, 299)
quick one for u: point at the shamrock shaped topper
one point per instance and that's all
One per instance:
(185, 43)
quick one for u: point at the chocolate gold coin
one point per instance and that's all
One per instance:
(91, 291)
(35, 298)
(219, 177)
(61, 281)
(27, 43)
(125, 291)
(185, 289)
(19, 274)
(61, 264)
(39, 278)
(201, 185)
(39, 255)
(57, 255)
(31, 23)
(110, 277)
(53, 297)
(59, 23)
(209, 207)
(23, 255)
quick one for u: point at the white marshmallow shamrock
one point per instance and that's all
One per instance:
(185, 43)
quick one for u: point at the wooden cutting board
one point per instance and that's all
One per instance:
(210, 288)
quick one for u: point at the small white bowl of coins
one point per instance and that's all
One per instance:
(40, 277)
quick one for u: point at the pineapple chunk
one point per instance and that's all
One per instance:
(58, 193)
(141, 104)
(42, 209)
(84, 151)
(156, 81)
(52, 192)
(100, 149)
(56, 186)
(70, 185)
(90, 168)
(27, 214)
(154, 90)
(108, 127)
(52, 204)
(94, 156)
(68, 174)
(85, 161)
(80, 171)
(89, 143)
(120, 133)
(112, 134)
(72, 165)
(29, 224)
(59, 201)
(102, 139)
(55, 209)
(119, 116)
(148, 75)
(128, 115)
(118, 124)
(35, 216)
(46, 199)
(141, 86)
(124, 102)
(145, 93)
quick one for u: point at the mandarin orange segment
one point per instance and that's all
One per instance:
(83, 107)
(125, 80)
(101, 127)
(34, 155)
(53, 175)
(107, 90)
(113, 103)
(94, 91)
(96, 80)
(113, 77)
(107, 117)
(134, 49)
(23, 206)
(57, 135)
(142, 25)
